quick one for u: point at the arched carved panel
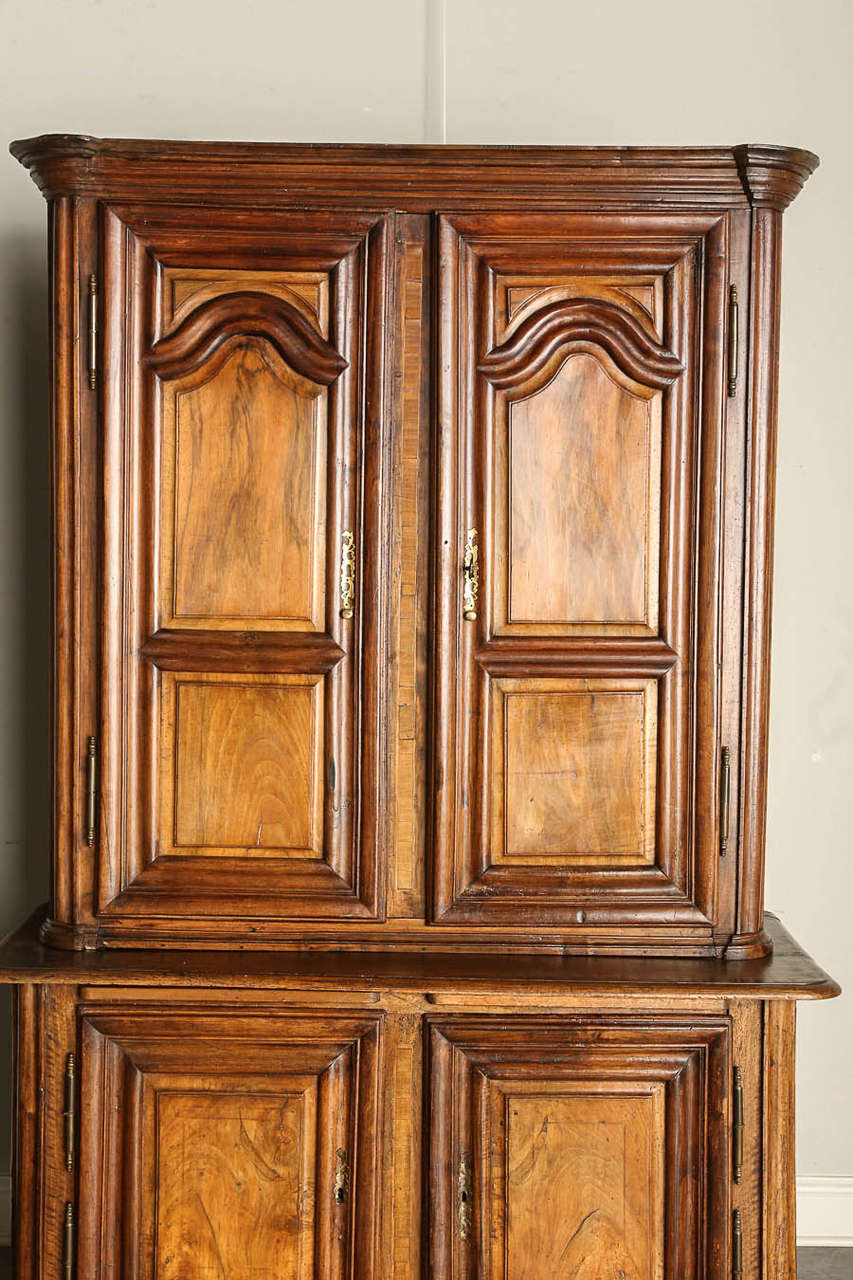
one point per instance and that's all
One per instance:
(530, 356)
(247, 314)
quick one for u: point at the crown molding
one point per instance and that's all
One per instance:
(773, 176)
(417, 178)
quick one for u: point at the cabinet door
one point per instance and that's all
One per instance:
(578, 540)
(586, 1147)
(227, 1144)
(243, 441)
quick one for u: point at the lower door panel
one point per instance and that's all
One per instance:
(588, 1148)
(227, 1144)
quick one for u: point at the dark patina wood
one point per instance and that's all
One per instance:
(411, 610)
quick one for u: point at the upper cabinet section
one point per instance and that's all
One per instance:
(413, 523)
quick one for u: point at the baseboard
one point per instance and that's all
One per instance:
(825, 1211)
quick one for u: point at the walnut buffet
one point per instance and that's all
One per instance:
(413, 523)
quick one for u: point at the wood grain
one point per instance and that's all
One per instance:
(590, 1164)
(244, 527)
(583, 462)
(574, 770)
(246, 759)
(230, 1176)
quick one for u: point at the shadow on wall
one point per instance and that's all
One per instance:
(26, 624)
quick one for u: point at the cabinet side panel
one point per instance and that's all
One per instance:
(73, 447)
(780, 1201)
(761, 490)
(27, 1135)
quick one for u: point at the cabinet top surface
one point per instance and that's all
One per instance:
(417, 176)
(788, 973)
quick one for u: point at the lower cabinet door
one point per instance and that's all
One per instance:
(578, 1148)
(226, 1145)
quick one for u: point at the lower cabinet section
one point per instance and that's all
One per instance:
(371, 1133)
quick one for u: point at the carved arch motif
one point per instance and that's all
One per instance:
(247, 314)
(531, 354)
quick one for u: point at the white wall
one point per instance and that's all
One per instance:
(556, 71)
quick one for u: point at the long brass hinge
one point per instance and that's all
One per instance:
(68, 1242)
(737, 1125)
(725, 799)
(733, 340)
(737, 1246)
(69, 1115)
(91, 785)
(92, 344)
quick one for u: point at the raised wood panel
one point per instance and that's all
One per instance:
(184, 288)
(582, 494)
(642, 296)
(243, 765)
(576, 444)
(243, 1143)
(230, 1174)
(243, 533)
(590, 1162)
(574, 770)
(583, 1147)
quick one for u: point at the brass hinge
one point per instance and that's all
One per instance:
(68, 1242)
(725, 799)
(69, 1115)
(737, 1125)
(733, 340)
(91, 784)
(737, 1246)
(92, 346)
(464, 1192)
(341, 1176)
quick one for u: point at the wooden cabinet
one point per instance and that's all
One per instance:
(381, 1116)
(411, 602)
(413, 514)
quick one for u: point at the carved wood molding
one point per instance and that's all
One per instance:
(410, 177)
(242, 315)
(773, 176)
(198, 650)
(502, 656)
(529, 356)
